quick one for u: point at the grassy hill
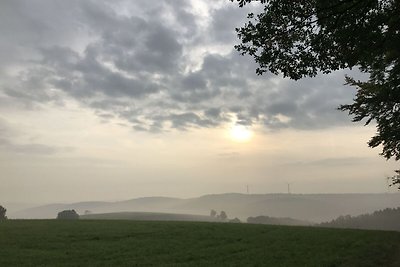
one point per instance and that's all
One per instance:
(278, 221)
(132, 243)
(147, 216)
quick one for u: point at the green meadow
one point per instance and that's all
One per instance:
(141, 243)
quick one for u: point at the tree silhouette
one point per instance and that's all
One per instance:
(223, 215)
(303, 38)
(387, 219)
(3, 213)
(213, 213)
(68, 215)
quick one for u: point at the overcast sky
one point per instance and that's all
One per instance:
(110, 100)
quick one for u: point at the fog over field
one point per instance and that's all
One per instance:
(200, 133)
(115, 100)
(312, 208)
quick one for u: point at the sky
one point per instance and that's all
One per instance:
(112, 100)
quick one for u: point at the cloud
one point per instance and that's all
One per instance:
(157, 65)
(226, 19)
(7, 143)
(335, 162)
(310, 103)
(27, 148)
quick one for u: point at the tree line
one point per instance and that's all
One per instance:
(387, 219)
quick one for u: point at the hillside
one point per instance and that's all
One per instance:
(277, 221)
(50, 211)
(128, 243)
(147, 216)
(309, 207)
(387, 219)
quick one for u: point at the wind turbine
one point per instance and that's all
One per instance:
(288, 188)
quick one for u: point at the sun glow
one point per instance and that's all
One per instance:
(241, 133)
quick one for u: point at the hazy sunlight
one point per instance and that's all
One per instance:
(241, 133)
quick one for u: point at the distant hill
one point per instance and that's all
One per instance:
(307, 207)
(50, 211)
(13, 207)
(387, 219)
(148, 216)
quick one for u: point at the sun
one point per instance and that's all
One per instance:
(241, 133)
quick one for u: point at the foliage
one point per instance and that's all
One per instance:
(223, 215)
(127, 243)
(68, 215)
(303, 38)
(396, 178)
(382, 104)
(3, 213)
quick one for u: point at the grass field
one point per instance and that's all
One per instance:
(133, 243)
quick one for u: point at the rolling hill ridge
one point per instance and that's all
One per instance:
(310, 207)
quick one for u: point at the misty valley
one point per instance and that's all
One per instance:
(200, 133)
(278, 209)
(218, 230)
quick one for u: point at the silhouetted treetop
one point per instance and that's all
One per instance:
(68, 215)
(223, 215)
(301, 38)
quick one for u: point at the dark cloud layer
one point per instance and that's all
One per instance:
(156, 64)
